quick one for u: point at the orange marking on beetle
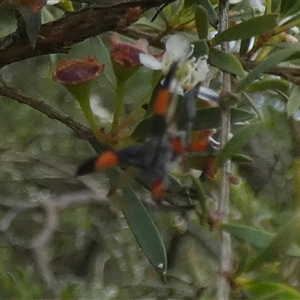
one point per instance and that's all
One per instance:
(201, 141)
(162, 102)
(199, 146)
(157, 190)
(107, 160)
(177, 145)
(209, 167)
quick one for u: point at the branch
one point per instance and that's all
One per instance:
(290, 74)
(38, 245)
(225, 259)
(82, 131)
(58, 36)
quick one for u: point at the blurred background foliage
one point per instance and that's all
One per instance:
(90, 252)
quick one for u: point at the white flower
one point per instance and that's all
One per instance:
(53, 2)
(256, 5)
(190, 72)
(179, 50)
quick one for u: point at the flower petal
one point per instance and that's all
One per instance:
(125, 53)
(178, 47)
(150, 61)
(53, 2)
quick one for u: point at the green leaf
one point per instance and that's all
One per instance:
(142, 130)
(272, 61)
(241, 158)
(274, 6)
(247, 29)
(33, 23)
(188, 3)
(271, 290)
(201, 19)
(143, 21)
(254, 105)
(225, 61)
(287, 5)
(212, 15)
(281, 242)
(201, 195)
(293, 9)
(141, 225)
(145, 231)
(241, 138)
(207, 118)
(293, 103)
(179, 195)
(200, 48)
(268, 84)
(245, 46)
(257, 237)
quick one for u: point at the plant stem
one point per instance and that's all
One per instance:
(225, 260)
(131, 118)
(120, 92)
(86, 108)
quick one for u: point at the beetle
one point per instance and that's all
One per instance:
(156, 154)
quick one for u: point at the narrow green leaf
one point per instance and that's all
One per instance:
(200, 48)
(201, 19)
(212, 15)
(188, 3)
(272, 61)
(273, 6)
(202, 198)
(293, 9)
(207, 118)
(258, 238)
(287, 5)
(145, 231)
(241, 138)
(281, 242)
(33, 23)
(254, 105)
(142, 129)
(293, 103)
(268, 84)
(141, 224)
(241, 158)
(245, 45)
(225, 61)
(271, 291)
(143, 21)
(247, 29)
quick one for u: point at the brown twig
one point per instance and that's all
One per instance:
(225, 259)
(289, 73)
(38, 245)
(82, 131)
(58, 36)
